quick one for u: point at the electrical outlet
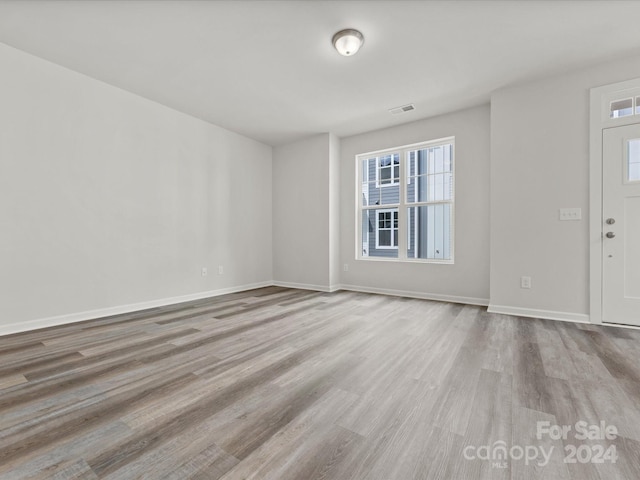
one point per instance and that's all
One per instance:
(220, 269)
(204, 271)
(345, 267)
(525, 282)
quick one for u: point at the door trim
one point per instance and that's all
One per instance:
(599, 121)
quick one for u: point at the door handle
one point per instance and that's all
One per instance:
(610, 221)
(610, 235)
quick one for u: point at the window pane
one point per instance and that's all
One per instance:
(416, 176)
(430, 174)
(368, 217)
(417, 189)
(370, 194)
(438, 159)
(388, 169)
(429, 232)
(385, 220)
(448, 186)
(411, 163)
(389, 195)
(633, 156)
(438, 190)
(440, 187)
(448, 164)
(421, 161)
(379, 233)
(385, 238)
(637, 105)
(621, 108)
(368, 170)
(385, 175)
(373, 194)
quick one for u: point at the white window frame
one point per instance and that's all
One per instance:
(403, 206)
(394, 213)
(393, 183)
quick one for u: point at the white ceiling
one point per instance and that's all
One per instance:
(267, 69)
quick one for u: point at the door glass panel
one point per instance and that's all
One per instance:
(633, 158)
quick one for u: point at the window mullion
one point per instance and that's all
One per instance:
(402, 210)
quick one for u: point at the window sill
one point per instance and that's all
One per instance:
(406, 260)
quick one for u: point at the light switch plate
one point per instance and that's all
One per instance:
(570, 214)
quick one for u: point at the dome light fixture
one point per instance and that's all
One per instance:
(347, 42)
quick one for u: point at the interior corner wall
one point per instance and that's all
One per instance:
(334, 212)
(467, 280)
(539, 164)
(109, 200)
(301, 213)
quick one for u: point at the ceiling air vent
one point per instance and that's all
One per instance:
(402, 109)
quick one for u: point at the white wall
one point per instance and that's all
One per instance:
(334, 211)
(540, 163)
(108, 199)
(302, 213)
(468, 278)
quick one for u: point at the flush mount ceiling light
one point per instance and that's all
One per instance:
(348, 41)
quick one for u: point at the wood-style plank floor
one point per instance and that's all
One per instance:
(284, 384)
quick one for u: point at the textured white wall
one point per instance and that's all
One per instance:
(539, 164)
(468, 278)
(108, 199)
(301, 212)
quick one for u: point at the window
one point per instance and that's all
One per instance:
(621, 108)
(387, 229)
(411, 219)
(387, 170)
(624, 107)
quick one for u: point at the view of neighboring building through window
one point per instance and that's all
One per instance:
(388, 170)
(387, 229)
(406, 207)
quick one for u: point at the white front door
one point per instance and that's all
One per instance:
(621, 225)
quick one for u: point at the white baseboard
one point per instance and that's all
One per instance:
(617, 325)
(535, 313)
(307, 286)
(424, 296)
(107, 312)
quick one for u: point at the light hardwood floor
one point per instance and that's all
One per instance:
(284, 384)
